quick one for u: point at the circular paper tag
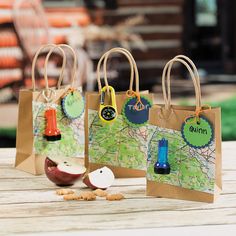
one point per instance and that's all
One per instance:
(136, 117)
(73, 104)
(197, 134)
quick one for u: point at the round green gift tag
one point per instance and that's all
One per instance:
(197, 133)
(73, 104)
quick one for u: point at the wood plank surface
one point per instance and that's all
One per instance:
(161, 31)
(28, 204)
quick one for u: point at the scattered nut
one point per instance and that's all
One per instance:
(87, 196)
(115, 197)
(100, 193)
(64, 191)
(70, 197)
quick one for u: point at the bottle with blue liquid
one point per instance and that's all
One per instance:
(162, 166)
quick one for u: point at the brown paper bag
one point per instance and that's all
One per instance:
(195, 169)
(31, 146)
(118, 145)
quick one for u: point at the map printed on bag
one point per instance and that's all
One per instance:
(117, 144)
(72, 133)
(191, 168)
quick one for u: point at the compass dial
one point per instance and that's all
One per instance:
(108, 113)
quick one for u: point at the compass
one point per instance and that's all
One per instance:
(108, 113)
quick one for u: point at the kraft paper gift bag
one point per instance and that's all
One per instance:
(184, 156)
(31, 146)
(122, 144)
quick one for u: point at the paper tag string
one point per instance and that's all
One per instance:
(49, 95)
(70, 90)
(198, 111)
(139, 105)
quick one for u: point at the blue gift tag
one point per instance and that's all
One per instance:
(133, 116)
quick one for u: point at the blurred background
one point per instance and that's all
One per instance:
(153, 30)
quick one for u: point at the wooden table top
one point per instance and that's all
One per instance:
(28, 204)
